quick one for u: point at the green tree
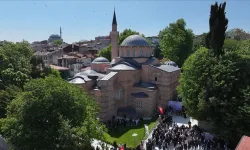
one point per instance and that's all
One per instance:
(106, 52)
(58, 42)
(6, 96)
(216, 90)
(199, 41)
(39, 70)
(231, 45)
(176, 42)
(218, 26)
(125, 33)
(15, 63)
(51, 114)
(157, 52)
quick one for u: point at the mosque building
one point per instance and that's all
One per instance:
(134, 83)
(55, 37)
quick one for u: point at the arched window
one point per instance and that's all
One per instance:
(146, 53)
(141, 52)
(134, 53)
(128, 53)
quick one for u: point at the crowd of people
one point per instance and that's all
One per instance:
(168, 135)
(122, 121)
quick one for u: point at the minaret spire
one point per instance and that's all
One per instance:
(114, 18)
(60, 32)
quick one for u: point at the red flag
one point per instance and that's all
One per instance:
(160, 109)
(121, 148)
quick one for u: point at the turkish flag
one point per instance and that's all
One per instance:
(161, 110)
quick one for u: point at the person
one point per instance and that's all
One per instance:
(97, 148)
(189, 124)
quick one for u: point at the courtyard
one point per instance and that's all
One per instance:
(123, 135)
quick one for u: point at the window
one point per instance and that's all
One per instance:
(128, 53)
(134, 52)
(146, 53)
(155, 78)
(119, 94)
(138, 104)
(141, 52)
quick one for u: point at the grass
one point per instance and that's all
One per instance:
(123, 135)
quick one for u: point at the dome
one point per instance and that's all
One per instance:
(135, 40)
(171, 63)
(100, 60)
(55, 36)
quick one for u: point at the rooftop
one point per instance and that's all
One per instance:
(244, 143)
(109, 76)
(166, 68)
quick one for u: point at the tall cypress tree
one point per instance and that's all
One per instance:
(218, 26)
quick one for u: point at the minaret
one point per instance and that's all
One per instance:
(114, 38)
(61, 32)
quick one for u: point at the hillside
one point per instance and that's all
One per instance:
(238, 34)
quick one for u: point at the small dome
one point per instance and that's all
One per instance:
(171, 63)
(135, 40)
(100, 60)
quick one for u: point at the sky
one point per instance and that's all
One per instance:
(36, 20)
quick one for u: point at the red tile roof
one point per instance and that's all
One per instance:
(244, 143)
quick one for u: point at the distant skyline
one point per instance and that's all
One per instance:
(36, 20)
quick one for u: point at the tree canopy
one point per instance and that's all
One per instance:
(125, 33)
(157, 52)
(15, 63)
(58, 42)
(176, 42)
(106, 52)
(17, 67)
(214, 86)
(51, 114)
(217, 29)
(199, 41)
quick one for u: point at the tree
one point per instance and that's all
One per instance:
(216, 89)
(51, 114)
(127, 32)
(106, 52)
(231, 45)
(199, 41)
(218, 26)
(157, 52)
(15, 63)
(58, 42)
(176, 42)
(39, 70)
(6, 96)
